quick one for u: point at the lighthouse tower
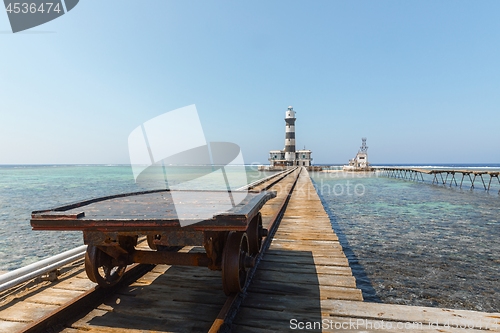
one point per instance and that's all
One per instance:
(290, 136)
(279, 159)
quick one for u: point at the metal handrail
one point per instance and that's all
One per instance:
(23, 274)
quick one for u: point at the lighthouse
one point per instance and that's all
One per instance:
(289, 156)
(290, 136)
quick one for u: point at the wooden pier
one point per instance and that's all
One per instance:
(301, 283)
(305, 284)
(304, 266)
(440, 176)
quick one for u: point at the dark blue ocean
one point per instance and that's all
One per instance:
(418, 243)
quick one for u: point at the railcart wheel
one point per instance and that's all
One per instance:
(254, 234)
(100, 269)
(235, 262)
(151, 244)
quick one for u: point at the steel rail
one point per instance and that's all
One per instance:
(228, 312)
(85, 302)
(261, 181)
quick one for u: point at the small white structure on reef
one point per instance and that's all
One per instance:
(360, 162)
(289, 156)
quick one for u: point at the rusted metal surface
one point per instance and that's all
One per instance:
(169, 258)
(150, 211)
(214, 246)
(235, 263)
(172, 237)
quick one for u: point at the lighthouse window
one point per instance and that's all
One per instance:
(275, 156)
(303, 156)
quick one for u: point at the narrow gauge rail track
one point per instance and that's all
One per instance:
(166, 298)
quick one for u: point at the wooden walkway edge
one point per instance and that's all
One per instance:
(304, 283)
(304, 266)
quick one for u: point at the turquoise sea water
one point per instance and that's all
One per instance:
(407, 242)
(24, 189)
(417, 243)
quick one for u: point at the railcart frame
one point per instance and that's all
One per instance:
(112, 225)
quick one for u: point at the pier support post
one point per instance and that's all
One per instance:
(492, 175)
(453, 178)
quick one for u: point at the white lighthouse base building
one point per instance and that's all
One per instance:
(301, 158)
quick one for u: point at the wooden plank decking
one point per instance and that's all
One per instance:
(304, 266)
(304, 279)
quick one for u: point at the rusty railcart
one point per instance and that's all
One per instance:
(111, 227)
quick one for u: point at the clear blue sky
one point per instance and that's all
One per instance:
(419, 79)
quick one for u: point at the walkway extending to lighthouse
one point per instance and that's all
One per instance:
(304, 265)
(305, 284)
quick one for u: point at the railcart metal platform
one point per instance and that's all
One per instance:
(111, 226)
